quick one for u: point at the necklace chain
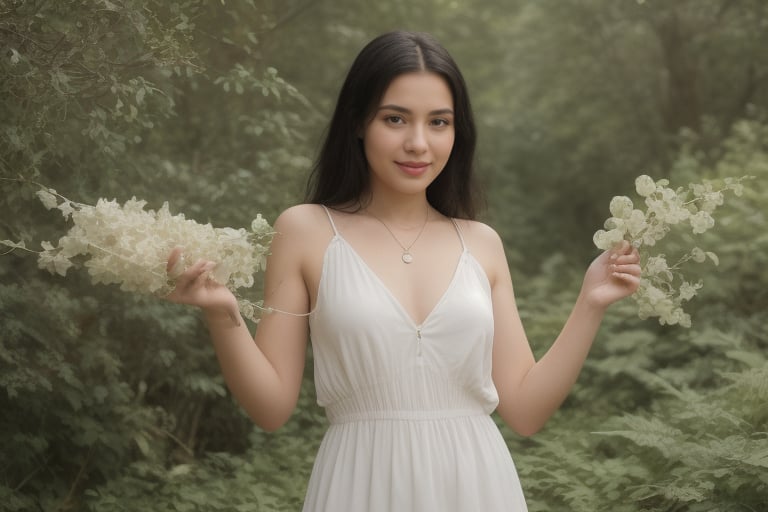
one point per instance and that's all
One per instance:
(407, 257)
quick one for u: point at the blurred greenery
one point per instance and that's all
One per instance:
(115, 402)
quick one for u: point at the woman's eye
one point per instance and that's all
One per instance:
(394, 119)
(440, 122)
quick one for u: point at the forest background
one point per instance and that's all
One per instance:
(112, 401)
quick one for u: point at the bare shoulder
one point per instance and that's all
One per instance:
(486, 246)
(305, 224)
(302, 235)
(300, 218)
(301, 231)
(480, 236)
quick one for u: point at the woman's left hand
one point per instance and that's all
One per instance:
(613, 275)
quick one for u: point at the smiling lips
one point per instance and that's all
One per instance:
(413, 168)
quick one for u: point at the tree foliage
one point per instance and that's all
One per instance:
(115, 402)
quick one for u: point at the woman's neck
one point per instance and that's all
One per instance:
(400, 210)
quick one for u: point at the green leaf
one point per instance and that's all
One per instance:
(143, 444)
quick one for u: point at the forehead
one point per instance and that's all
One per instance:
(418, 90)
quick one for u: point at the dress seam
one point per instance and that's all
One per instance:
(404, 416)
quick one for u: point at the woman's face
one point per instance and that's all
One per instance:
(410, 135)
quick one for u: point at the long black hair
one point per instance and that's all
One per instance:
(341, 176)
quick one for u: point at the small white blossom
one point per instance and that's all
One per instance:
(636, 223)
(645, 185)
(621, 207)
(698, 255)
(260, 226)
(607, 239)
(710, 201)
(701, 222)
(48, 198)
(657, 266)
(688, 290)
(66, 209)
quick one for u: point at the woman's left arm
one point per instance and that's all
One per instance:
(531, 391)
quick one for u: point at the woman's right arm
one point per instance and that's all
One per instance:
(264, 372)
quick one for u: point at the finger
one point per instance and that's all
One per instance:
(626, 259)
(203, 274)
(634, 253)
(194, 277)
(176, 263)
(625, 248)
(629, 279)
(173, 257)
(187, 277)
(633, 269)
(618, 250)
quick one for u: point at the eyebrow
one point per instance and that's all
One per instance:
(398, 108)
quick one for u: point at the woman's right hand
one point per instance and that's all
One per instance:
(194, 286)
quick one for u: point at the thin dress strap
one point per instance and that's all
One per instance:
(328, 213)
(458, 231)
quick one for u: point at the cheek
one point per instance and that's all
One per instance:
(377, 142)
(376, 152)
(446, 146)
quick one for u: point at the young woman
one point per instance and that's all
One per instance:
(407, 300)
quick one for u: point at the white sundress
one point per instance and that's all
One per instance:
(409, 405)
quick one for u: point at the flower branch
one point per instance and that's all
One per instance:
(664, 288)
(129, 245)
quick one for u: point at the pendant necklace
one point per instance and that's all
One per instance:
(407, 257)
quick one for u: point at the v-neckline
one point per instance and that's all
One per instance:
(398, 304)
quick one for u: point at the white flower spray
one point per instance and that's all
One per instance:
(129, 245)
(663, 287)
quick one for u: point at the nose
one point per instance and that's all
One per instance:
(416, 141)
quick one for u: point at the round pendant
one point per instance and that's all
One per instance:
(407, 257)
